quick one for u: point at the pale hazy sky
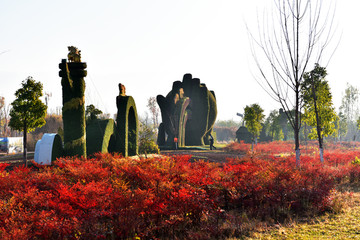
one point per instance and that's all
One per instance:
(148, 44)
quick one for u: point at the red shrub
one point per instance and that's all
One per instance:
(112, 197)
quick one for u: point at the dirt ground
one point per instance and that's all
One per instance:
(217, 155)
(207, 155)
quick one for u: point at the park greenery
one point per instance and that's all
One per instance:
(273, 127)
(147, 139)
(114, 179)
(28, 111)
(298, 36)
(319, 111)
(254, 117)
(92, 113)
(152, 195)
(111, 197)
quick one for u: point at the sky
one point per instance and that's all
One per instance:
(147, 45)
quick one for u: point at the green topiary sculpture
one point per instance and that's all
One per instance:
(174, 116)
(161, 135)
(98, 135)
(242, 134)
(126, 134)
(102, 135)
(188, 113)
(73, 85)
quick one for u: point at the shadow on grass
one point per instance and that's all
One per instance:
(349, 187)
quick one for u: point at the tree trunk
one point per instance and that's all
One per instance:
(252, 144)
(321, 150)
(297, 148)
(297, 125)
(297, 89)
(306, 136)
(318, 128)
(24, 144)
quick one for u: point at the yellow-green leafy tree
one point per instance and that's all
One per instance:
(319, 111)
(254, 117)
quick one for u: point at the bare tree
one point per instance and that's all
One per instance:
(5, 131)
(350, 109)
(289, 40)
(48, 95)
(2, 117)
(154, 110)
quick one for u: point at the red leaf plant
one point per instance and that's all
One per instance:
(111, 197)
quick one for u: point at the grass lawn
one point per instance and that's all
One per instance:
(342, 225)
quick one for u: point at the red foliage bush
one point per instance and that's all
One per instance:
(112, 197)
(276, 147)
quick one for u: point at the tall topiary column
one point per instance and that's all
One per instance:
(73, 85)
(126, 135)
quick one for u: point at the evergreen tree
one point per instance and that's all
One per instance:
(28, 111)
(273, 127)
(341, 126)
(92, 112)
(254, 117)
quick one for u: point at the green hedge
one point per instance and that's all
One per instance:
(57, 150)
(127, 127)
(161, 135)
(98, 135)
(211, 118)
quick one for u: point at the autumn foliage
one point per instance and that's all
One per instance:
(110, 197)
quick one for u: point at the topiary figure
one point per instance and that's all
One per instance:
(73, 85)
(161, 135)
(126, 134)
(242, 134)
(174, 116)
(188, 112)
(98, 135)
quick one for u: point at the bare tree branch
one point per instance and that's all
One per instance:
(294, 35)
